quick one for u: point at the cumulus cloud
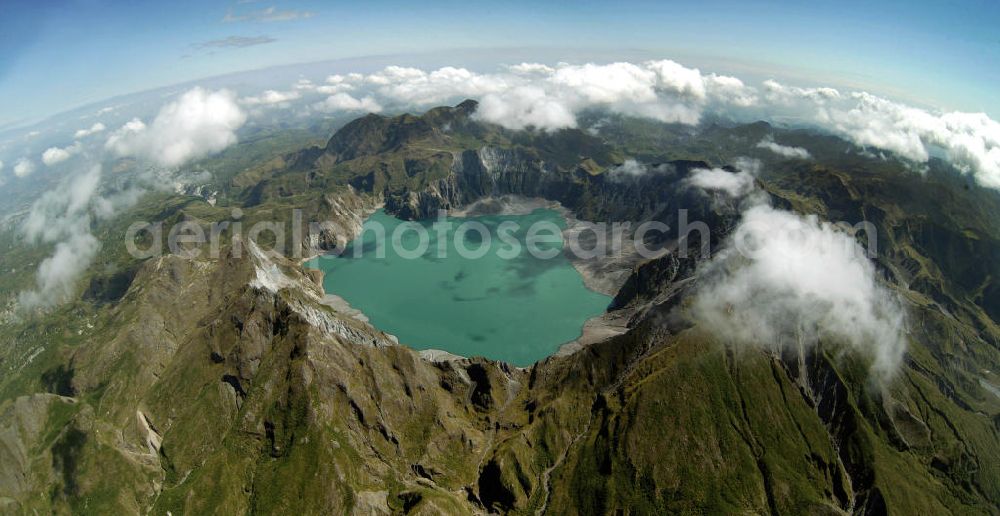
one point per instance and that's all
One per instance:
(271, 97)
(304, 85)
(733, 184)
(548, 98)
(629, 167)
(679, 79)
(345, 102)
(778, 93)
(785, 281)
(970, 140)
(199, 123)
(55, 155)
(57, 274)
(24, 167)
(730, 91)
(531, 69)
(57, 212)
(415, 87)
(525, 106)
(62, 216)
(94, 129)
(338, 83)
(534, 95)
(783, 150)
(195, 124)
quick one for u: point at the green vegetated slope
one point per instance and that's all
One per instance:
(227, 386)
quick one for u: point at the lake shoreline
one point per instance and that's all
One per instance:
(602, 276)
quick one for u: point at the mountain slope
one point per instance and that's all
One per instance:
(228, 386)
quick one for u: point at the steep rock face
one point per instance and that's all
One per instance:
(265, 385)
(318, 397)
(492, 171)
(474, 174)
(651, 279)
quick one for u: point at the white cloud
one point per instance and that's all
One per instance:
(198, 123)
(970, 140)
(195, 124)
(55, 155)
(304, 84)
(55, 280)
(24, 167)
(345, 78)
(606, 84)
(531, 68)
(679, 79)
(523, 107)
(550, 97)
(339, 83)
(414, 87)
(94, 129)
(785, 281)
(780, 93)
(732, 91)
(271, 97)
(57, 212)
(783, 150)
(734, 184)
(629, 167)
(62, 216)
(345, 102)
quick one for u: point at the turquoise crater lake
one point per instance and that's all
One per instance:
(507, 305)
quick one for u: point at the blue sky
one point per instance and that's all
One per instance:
(57, 55)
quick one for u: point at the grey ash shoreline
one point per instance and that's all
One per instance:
(604, 275)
